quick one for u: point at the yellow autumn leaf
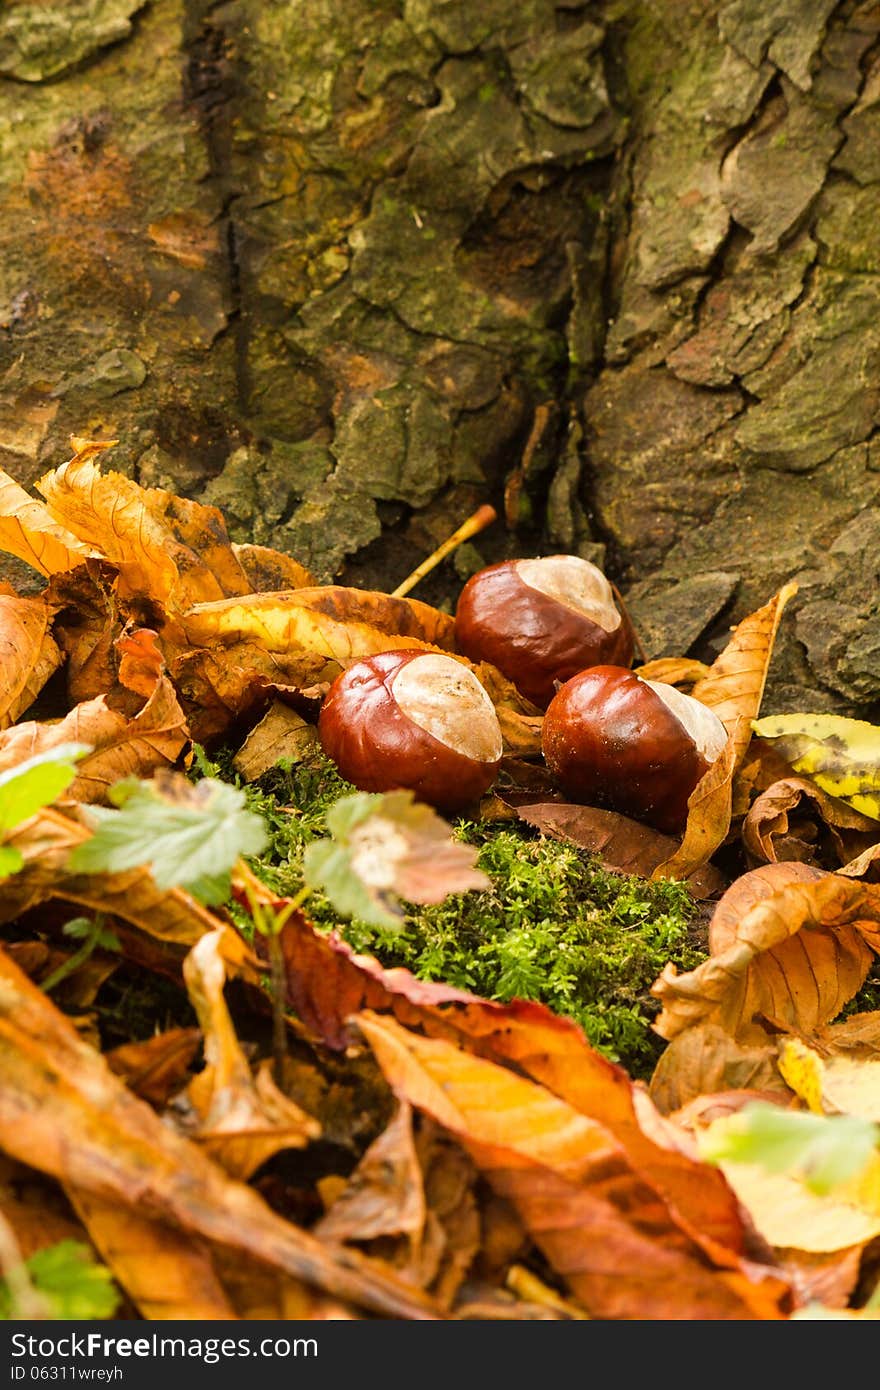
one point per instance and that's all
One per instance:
(801, 1068)
(28, 653)
(789, 1215)
(734, 684)
(167, 547)
(28, 531)
(841, 755)
(845, 1084)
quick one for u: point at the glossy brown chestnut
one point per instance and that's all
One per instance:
(415, 720)
(615, 740)
(541, 621)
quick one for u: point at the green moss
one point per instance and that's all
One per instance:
(555, 927)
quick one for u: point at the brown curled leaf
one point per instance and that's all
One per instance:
(767, 822)
(28, 653)
(789, 943)
(143, 731)
(622, 844)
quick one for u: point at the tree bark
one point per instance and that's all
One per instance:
(348, 270)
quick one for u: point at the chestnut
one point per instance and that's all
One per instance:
(541, 621)
(414, 720)
(636, 746)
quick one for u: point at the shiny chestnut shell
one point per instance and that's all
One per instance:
(610, 740)
(535, 639)
(378, 748)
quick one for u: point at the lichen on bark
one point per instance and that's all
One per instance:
(349, 270)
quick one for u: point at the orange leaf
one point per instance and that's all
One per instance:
(157, 1067)
(164, 547)
(709, 814)
(735, 682)
(619, 1249)
(789, 944)
(165, 1273)
(28, 654)
(64, 1112)
(150, 732)
(28, 530)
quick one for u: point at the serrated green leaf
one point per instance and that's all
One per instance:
(349, 811)
(36, 782)
(386, 847)
(186, 844)
(327, 865)
(841, 755)
(824, 1150)
(71, 1280)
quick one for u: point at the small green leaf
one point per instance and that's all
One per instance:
(68, 1276)
(190, 842)
(91, 929)
(841, 755)
(824, 1150)
(35, 783)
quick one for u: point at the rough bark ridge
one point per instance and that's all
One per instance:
(348, 269)
(733, 428)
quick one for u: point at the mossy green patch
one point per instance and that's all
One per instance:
(555, 926)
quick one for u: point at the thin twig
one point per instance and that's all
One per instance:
(482, 517)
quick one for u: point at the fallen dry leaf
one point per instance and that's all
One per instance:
(157, 1067)
(734, 685)
(28, 653)
(768, 820)
(63, 1111)
(620, 1253)
(338, 623)
(149, 535)
(705, 1060)
(89, 620)
(865, 865)
(709, 816)
(145, 731)
(789, 944)
(166, 1274)
(269, 570)
(621, 843)
(242, 1121)
(674, 670)
(833, 1084)
(28, 530)
(281, 733)
(384, 1195)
